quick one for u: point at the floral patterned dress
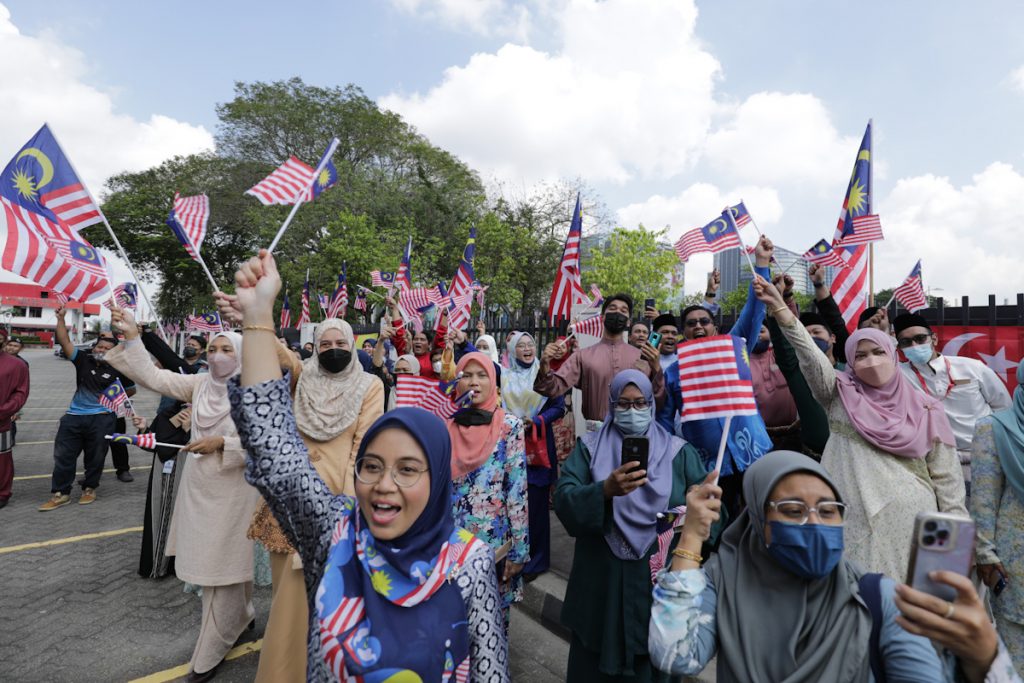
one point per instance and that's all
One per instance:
(490, 501)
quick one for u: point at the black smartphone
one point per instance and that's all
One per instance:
(1000, 585)
(654, 339)
(648, 303)
(635, 449)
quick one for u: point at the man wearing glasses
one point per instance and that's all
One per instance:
(968, 388)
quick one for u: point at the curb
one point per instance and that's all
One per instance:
(542, 602)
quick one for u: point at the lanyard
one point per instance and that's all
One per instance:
(949, 374)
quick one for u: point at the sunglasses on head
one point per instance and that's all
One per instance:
(693, 322)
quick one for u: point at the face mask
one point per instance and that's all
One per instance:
(633, 421)
(810, 551)
(98, 356)
(190, 352)
(875, 370)
(334, 360)
(920, 354)
(761, 346)
(823, 344)
(222, 365)
(615, 322)
(437, 367)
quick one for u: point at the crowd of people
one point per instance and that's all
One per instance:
(398, 541)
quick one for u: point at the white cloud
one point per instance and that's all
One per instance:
(777, 137)
(485, 17)
(628, 94)
(968, 238)
(99, 140)
(1016, 79)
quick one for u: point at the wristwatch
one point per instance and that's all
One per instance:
(710, 295)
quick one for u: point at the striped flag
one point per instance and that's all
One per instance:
(207, 322)
(568, 290)
(740, 215)
(125, 295)
(716, 236)
(286, 313)
(822, 253)
(866, 229)
(911, 292)
(114, 397)
(404, 276)
(418, 299)
(61, 298)
(462, 285)
(597, 298)
(147, 440)
(291, 180)
(360, 303)
(850, 282)
(715, 379)
(481, 292)
(421, 392)
(188, 219)
(338, 306)
(382, 279)
(304, 312)
(594, 326)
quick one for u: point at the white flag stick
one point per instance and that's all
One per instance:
(298, 198)
(721, 446)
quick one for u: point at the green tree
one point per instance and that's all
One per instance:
(635, 262)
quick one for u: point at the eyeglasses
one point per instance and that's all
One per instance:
(797, 511)
(405, 473)
(639, 404)
(917, 339)
(693, 322)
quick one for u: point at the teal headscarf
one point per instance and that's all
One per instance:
(1008, 432)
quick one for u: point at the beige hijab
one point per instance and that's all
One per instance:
(211, 405)
(326, 403)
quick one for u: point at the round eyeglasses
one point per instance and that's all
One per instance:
(625, 404)
(798, 512)
(405, 473)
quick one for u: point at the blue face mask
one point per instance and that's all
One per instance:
(920, 354)
(823, 344)
(634, 421)
(761, 345)
(810, 551)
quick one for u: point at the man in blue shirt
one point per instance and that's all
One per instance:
(86, 424)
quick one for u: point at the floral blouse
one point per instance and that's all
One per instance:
(490, 501)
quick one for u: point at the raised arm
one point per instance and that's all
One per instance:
(62, 334)
(131, 359)
(748, 323)
(829, 310)
(163, 353)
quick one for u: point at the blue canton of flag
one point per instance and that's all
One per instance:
(207, 322)
(327, 176)
(114, 397)
(740, 215)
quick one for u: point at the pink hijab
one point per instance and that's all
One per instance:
(473, 445)
(896, 417)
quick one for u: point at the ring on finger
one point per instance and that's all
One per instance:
(950, 610)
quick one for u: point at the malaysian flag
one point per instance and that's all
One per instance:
(304, 313)
(43, 205)
(823, 254)
(597, 298)
(865, 229)
(338, 306)
(206, 322)
(594, 326)
(382, 279)
(849, 283)
(716, 236)
(125, 295)
(462, 285)
(147, 440)
(294, 180)
(360, 303)
(911, 292)
(114, 398)
(422, 392)
(740, 215)
(481, 293)
(404, 276)
(188, 219)
(286, 313)
(61, 298)
(714, 378)
(324, 302)
(418, 299)
(568, 290)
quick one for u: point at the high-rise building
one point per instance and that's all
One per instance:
(735, 270)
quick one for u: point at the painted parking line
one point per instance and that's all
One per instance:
(32, 443)
(69, 539)
(180, 671)
(77, 474)
(33, 422)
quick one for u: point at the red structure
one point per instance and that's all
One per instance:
(33, 314)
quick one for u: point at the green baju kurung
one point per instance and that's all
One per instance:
(608, 600)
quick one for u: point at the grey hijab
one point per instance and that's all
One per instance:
(773, 625)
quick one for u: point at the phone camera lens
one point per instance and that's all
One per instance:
(942, 534)
(930, 526)
(928, 540)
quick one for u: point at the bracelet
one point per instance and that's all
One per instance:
(264, 328)
(687, 555)
(710, 295)
(780, 308)
(819, 284)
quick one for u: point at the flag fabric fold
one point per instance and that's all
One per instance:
(294, 179)
(823, 254)
(286, 313)
(911, 292)
(715, 379)
(206, 322)
(568, 289)
(188, 220)
(338, 306)
(461, 289)
(718, 235)
(848, 287)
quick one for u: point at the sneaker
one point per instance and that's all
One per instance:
(125, 476)
(88, 496)
(56, 500)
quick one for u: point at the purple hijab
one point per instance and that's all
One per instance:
(635, 514)
(896, 417)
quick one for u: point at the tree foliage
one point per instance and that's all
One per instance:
(634, 262)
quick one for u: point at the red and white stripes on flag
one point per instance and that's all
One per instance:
(848, 286)
(568, 289)
(714, 378)
(418, 299)
(192, 214)
(594, 326)
(823, 254)
(911, 292)
(421, 392)
(304, 310)
(285, 184)
(866, 229)
(73, 206)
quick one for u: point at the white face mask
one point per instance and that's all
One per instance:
(437, 366)
(221, 365)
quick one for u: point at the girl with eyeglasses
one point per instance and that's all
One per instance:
(613, 509)
(395, 589)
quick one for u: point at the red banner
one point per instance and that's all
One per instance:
(1000, 348)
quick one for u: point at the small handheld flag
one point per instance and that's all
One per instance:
(286, 313)
(716, 236)
(147, 441)
(422, 392)
(911, 292)
(594, 326)
(823, 254)
(114, 398)
(309, 189)
(382, 279)
(715, 379)
(207, 322)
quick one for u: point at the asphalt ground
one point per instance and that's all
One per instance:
(73, 608)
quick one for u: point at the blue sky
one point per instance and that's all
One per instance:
(668, 110)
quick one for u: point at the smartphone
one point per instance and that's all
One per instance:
(648, 303)
(654, 339)
(635, 449)
(940, 541)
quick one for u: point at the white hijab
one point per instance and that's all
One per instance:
(492, 347)
(211, 405)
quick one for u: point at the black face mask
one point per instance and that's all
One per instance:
(334, 360)
(191, 352)
(615, 322)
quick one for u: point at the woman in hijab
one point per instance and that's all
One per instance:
(214, 504)
(780, 602)
(997, 505)
(395, 588)
(489, 474)
(335, 402)
(612, 509)
(538, 414)
(486, 345)
(891, 449)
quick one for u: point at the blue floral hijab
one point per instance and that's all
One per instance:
(390, 608)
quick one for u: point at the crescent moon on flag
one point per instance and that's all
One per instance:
(724, 225)
(44, 163)
(953, 346)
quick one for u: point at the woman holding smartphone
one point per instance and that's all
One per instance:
(611, 508)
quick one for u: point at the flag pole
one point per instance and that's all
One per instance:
(751, 217)
(721, 446)
(117, 242)
(743, 247)
(298, 198)
(871, 201)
